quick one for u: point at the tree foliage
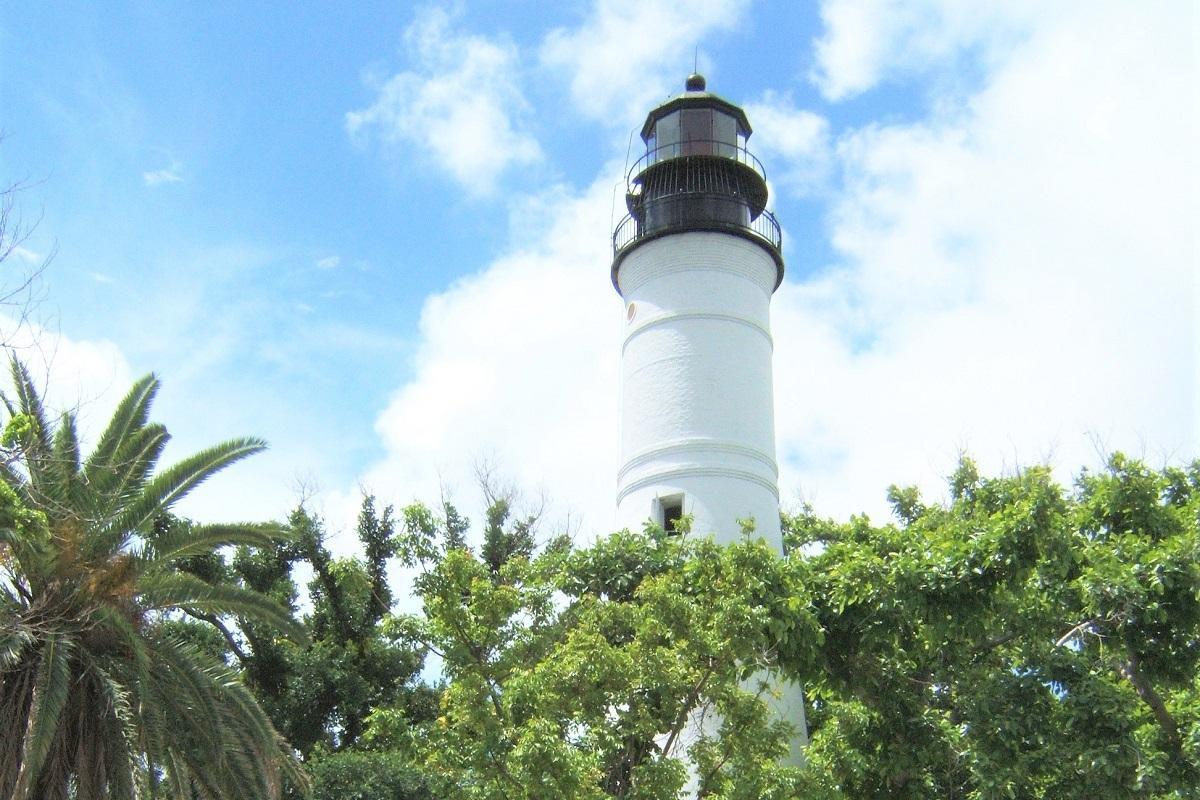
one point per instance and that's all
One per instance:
(576, 673)
(99, 697)
(320, 691)
(1019, 641)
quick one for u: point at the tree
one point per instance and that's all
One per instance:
(1019, 641)
(575, 673)
(101, 698)
(319, 692)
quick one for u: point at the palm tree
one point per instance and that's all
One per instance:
(96, 699)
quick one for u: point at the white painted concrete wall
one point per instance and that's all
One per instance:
(697, 399)
(697, 404)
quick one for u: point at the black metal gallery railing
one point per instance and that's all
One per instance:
(697, 185)
(696, 147)
(764, 227)
(698, 175)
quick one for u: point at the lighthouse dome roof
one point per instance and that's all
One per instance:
(695, 95)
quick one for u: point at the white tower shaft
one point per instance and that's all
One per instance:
(697, 425)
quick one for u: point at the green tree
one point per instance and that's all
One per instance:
(574, 673)
(320, 692)
(99, 696)
(1019, 641)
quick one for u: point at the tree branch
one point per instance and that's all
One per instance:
(692, 697)
(213, 620)
(1080, 628)
(1130, 670)
(996, 641)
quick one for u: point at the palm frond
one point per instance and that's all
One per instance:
(37, 446)
(30, 549)
(251, 753)
(11, 477)
(185, 684)
(246, 752)
(181, 590)
(15, 642)
(49, 697)
(203, 539)
(136, 660)
(8, 404)
(132, 414)
(112, 487)
(29, 402)
(16, 694)
(261, 744)
(64, 463)
(175, 482)
(118, 736)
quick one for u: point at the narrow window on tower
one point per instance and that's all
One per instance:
(669, 512)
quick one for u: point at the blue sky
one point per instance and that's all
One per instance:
(377, 234)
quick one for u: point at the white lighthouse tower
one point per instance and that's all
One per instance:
(696, 261)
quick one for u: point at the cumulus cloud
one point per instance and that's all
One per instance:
(460, 105)
(517, 366)
(158, 177)
(866, 40)
(627, 50)
(1016, 274)
(87, 376)
(328, 262)
(796, 142)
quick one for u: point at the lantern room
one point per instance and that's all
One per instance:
(696, 174)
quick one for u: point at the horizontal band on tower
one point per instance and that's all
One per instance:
(697, 472)
(696, 445)
(670, 316)
(698, 251)
(739, 235)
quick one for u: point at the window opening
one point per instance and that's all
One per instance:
(672, 508)
(696, 131)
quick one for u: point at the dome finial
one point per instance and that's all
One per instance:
(694, 83)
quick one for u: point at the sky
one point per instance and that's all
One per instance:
(378, 234)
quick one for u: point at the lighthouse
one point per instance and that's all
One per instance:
(696, 262)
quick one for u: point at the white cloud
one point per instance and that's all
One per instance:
(82, 375)
(865, 40)
(795, 142)
(329, 262)
(517, 364)
(462, 105)
(627, 50)
(100, 277)
(1018, 274)
(27, 255)
(158, 177)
